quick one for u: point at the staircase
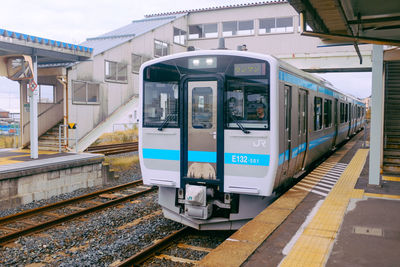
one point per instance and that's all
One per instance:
(391, 148)
(49, 140)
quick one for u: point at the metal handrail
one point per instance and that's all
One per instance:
(43, 112)
(66, 138)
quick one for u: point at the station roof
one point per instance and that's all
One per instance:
(48, 51)
(126, 33)
(352, 21)
(206, 9)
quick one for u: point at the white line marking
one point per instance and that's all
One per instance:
(327, 182)
(320, 180)
(332, 176)
(300, 231)
(319, 193)
(323, 188)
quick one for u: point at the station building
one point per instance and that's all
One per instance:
(105, 89)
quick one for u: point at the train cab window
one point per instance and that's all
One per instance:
(247, 104)
(327, 113)
(160, 104)
(317, 113)
(202, 107)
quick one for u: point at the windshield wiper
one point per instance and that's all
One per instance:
(233, 116)
(166, 121)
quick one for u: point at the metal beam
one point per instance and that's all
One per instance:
(314, 20)
(341, 70)
(342, 37)
(34, 112)
(377, 101)
(48, 54)
(375, 20)
(349, 29)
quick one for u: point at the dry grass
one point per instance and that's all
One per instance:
(122, 163)
(129, 135)
(8, 141)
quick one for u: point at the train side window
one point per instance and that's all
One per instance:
(299, 114)
(317, 113)
(327, 113)
(346, 116)
(160, 104)
(247, 102)
(342, 112)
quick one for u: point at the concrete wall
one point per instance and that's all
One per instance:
(24, 189)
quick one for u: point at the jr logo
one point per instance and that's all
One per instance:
(259, 143)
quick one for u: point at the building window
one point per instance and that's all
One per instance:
(160, 48)
(327, 113)
(116, 72)
(85, 92)
(179, 36)
(317, 113)
(276, 25)
(203, 31)
(232, 28)
(137, 61)
(46, 94)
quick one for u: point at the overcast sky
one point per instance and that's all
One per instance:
(73, 21)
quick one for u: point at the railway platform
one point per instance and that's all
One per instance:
(23, 180)
(332, 217)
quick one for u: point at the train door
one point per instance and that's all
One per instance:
(302, 128)
(200, 147)
(287, 126)
(336, 121)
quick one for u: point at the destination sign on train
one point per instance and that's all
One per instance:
(246, 69)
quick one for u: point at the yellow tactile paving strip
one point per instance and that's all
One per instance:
(236, 249)
(312, 247)
(391, 178)
(381, 195)
(10, 159)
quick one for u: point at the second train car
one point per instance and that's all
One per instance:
(222, 130)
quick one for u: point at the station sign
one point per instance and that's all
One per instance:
(32, 85)
(72, 125)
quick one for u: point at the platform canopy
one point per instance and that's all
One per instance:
(48, 51)
(351, 21)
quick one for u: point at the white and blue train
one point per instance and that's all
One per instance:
(223, 130)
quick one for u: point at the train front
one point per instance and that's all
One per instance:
(206, 138)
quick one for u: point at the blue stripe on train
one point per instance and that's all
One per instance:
(207, 156)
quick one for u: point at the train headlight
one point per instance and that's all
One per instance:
(202, 63)
(209, 61)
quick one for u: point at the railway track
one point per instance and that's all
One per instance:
(35, 220)
(113, 148)
(185, 246)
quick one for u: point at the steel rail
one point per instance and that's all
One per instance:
(48, 224)
(150, 251)
(113, 148)
(31, 212)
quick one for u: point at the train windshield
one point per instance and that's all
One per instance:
(247, 102)
(161, 104)
(245, 90)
